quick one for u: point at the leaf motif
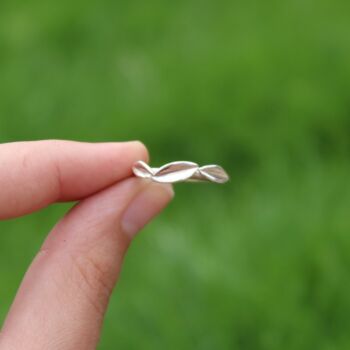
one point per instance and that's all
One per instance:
(141, 169)
(181, 171)
(214, 173)
(175, 172)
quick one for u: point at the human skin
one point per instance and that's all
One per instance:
(65, 292)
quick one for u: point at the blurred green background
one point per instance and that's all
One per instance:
(260, 87)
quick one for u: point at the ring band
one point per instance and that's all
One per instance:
(181, 171)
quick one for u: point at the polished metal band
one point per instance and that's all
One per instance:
(181, 171)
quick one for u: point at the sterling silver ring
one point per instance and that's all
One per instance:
(181, 171)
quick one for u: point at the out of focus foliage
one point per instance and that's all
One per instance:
(260, 87)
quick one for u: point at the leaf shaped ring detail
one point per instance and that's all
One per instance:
(181, 171)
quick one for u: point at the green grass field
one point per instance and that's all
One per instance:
(260, 87)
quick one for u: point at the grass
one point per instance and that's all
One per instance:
(259, 87)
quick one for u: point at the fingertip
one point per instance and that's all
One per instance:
(140, 150)
(149, 202)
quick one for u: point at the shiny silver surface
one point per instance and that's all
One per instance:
(181, 171)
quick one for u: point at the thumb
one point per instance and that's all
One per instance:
(65, 292)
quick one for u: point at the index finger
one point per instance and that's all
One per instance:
(37, 173)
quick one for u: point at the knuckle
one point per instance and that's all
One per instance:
(93, 279)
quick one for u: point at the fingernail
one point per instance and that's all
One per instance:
(147, 204)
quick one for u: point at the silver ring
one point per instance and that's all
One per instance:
(181, 171)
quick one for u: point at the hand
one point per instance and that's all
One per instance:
(64, 295)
